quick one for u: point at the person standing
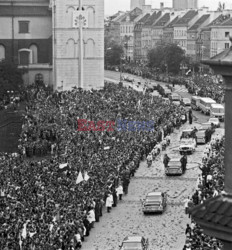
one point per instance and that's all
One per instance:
(190, 116)
(119, 191)
(109, 202)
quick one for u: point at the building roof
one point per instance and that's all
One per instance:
(219, 20)
(24, 11)
(153, 18)
(132, 15)
(187, 17)
(213, 213)
(163, 20)
(144, 18)
(170, 25)
(227, 23)
(199, 22)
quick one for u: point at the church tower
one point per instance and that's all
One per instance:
(75, 64)
(137, 3)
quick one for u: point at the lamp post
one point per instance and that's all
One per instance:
(214, 215)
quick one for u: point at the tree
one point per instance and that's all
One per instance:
(10, 77)
(167, 57)
(221, 6)
(113, 52)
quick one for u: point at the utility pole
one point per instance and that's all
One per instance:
(80, 73)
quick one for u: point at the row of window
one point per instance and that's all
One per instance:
(180, 33)
(127, 29)
(33, 50)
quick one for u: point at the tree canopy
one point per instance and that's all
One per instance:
(166, 57)
(113, 52)
(10, 77)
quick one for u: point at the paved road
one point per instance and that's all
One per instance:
(166, 231)
(181, 90)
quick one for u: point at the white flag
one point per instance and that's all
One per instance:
(79, 178)
(24, 232)
(86, 177)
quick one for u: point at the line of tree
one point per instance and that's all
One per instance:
(166, 57)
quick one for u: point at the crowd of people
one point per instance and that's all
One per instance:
(209, 184)
(53, 201)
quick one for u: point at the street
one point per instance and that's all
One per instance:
(165, 231)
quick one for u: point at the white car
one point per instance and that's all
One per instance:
(215, 121)
(187, 145)
(186, 101)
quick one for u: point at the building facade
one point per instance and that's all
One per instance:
(40, 36)
(26, 37)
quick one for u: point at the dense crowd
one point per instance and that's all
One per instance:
(52, 202)
(209, 184)
(204, 85)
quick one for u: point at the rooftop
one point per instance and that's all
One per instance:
(219, 20)
(153, 18)
(199, 22)
(170, 25)
(163, 20)
(187, 17)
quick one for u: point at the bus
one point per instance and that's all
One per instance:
(195, 102)
(217, 110)
(205, 104)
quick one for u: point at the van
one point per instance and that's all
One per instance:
(195, 102)
(175, 97)
(217, 111)
(205, 104)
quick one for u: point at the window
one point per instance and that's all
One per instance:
(2, 52)
(25, 56)
(23, 27)
(227, 34)
(34, 50)
(227, 45)
(90, 48)
(70, 48)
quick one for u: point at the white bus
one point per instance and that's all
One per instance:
(205, 104)
(218, 111)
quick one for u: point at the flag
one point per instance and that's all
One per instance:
(79, 178)
(86, 177)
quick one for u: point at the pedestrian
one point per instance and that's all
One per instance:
(109, 202)
(119, 191)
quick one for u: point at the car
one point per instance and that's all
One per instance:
(155, 202)
(215, 121)
(202, 137)
(187, 145)
(177, 103)
(186, 102)
(187, 133)
(175, 97)
(174, 166)
(134, 243)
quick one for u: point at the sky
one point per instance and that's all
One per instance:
(113, 6)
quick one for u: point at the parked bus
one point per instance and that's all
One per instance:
(217, 111)
(195, 102)
(205, 104)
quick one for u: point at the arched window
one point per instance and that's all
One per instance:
(90, 48)
(25, 56)
(2, 52)
(91, 17)
(34, 51)
(69, 20)
(70, 48)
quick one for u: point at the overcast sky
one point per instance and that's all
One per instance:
(113, 6)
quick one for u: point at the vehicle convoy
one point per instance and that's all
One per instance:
(205, 104)
(187, 145)
(217, 111)
(174, 166)
(155, 202)
(134, 243)
(195, 102)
